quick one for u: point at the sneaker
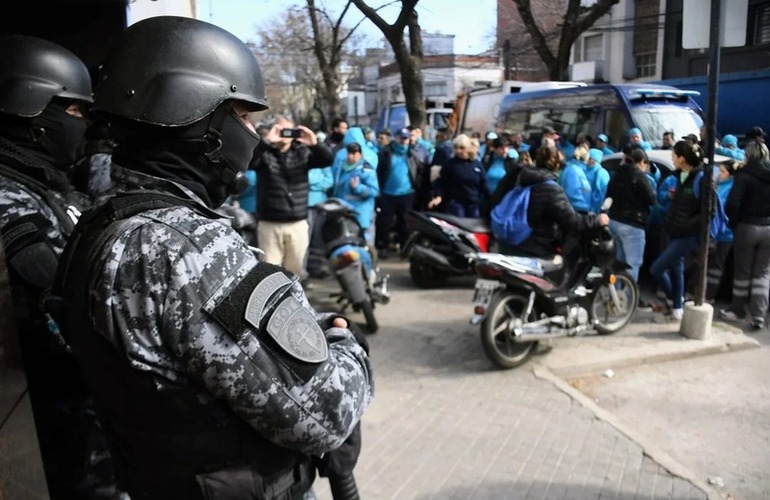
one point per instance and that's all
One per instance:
(757, 324)
(728, 315)
(320, 274)
(644, 305)
(677, 314)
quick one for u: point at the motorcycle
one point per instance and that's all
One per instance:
(350, 259)
(519, 301)
(442, 245)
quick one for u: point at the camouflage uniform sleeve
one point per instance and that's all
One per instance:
(17, 202)
(161, 278)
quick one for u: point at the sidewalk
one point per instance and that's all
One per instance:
(445, 424)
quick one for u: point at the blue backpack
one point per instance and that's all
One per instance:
(719, 220)
(509, 218)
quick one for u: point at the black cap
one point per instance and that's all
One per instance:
(691, 137)
(755, 133)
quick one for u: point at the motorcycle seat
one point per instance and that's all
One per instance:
(469, 224)
(552, 265)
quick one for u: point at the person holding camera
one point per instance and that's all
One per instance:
(282, 161)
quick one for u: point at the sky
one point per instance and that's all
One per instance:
(472, 22)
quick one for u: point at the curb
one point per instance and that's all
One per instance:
(631, 351)
(649, 448)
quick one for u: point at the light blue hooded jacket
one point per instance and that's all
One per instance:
(361, 199)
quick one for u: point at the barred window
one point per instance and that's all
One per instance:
(433, 89)
(762, 28)
(645, 64)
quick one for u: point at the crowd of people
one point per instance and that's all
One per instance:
(177, 332)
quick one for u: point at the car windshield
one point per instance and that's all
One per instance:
(654, 120)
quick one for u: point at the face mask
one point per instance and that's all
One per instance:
(62, 133)
(234, 155)
(400, 149)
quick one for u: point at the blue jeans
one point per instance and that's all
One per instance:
(668, 268)
(629, 242)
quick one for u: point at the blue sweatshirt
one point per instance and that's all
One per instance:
(575, 184)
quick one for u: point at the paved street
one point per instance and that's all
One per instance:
(446, 424)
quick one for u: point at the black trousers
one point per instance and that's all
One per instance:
(392, 216)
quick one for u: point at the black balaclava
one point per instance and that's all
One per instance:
(208, 156)
(59, 133)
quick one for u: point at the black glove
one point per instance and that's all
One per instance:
(342, 460)
(357, 333)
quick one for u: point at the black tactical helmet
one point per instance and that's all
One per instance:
(33, 71)
(195, 66)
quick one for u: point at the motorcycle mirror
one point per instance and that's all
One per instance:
(607, 204)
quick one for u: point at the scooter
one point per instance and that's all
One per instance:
(350, 259)
(442, 245)
(519, 301)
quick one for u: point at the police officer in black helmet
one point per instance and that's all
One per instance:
(45, 91)
(213, 375)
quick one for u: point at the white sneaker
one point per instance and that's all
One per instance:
(677, 314)
(728, 315)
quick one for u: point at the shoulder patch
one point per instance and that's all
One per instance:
(262, 300)
(297, 332)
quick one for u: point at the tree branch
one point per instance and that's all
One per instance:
(539, 42)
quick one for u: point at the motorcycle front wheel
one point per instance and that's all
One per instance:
(609, 315)
(367, 309)
(497, 330)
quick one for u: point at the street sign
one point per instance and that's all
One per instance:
(696, 23)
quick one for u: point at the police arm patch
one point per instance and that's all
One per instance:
(263, 300)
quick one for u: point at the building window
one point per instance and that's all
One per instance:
(590, 48)
(762, 26)
(433, 89)
(395, 92)
(645, 65)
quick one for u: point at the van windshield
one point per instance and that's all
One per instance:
(654, 120)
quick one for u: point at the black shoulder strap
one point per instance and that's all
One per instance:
(92, 231)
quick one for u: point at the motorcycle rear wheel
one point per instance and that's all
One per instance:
(609, 317)
(497, 332)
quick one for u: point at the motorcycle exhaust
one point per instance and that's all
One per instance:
(544, 329)
(434, 258)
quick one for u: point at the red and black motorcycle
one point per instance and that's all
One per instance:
(442, 245)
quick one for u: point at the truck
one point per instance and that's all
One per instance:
(394, 117)
(476, 110)
(742, 102)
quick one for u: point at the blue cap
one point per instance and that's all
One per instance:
(513, 154)
(635, 131)
(596, 155)
(603, 137)
(403, 134)
(730, 140)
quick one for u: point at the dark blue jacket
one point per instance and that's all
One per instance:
(464, 181)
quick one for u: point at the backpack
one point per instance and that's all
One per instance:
(719, 219)
(509, 218)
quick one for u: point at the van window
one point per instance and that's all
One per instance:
(616, 127)
(653, 121)
(440, 120)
